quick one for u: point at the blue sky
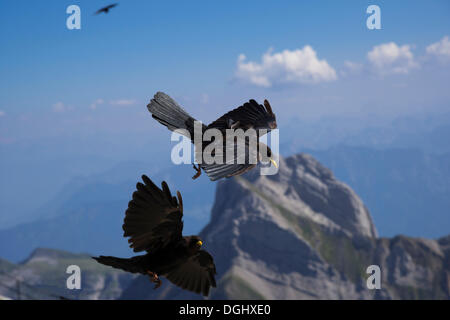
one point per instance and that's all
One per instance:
(188, 49)
(78, 97)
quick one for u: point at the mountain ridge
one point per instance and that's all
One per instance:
(268, 246)
(43, 276)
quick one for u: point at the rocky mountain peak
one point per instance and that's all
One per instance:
(307, 189)
(302, 234)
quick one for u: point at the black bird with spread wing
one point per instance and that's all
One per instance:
(250, 115)
(106, 9)
(153, 221)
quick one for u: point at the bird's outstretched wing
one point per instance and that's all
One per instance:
(249, 115)
(241, 161)
(219, 171)
(106, 9)
(153, 218)
(196, 274)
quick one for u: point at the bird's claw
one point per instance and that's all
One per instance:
(155, 279)
(198, 173)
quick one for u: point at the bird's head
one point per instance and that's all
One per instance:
(194, 243)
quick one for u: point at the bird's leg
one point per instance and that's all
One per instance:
(155, 279)
(198, 173)
(235, 125)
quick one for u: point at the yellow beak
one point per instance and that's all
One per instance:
(199, 243)
(274, 163)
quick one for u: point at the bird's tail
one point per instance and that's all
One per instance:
(133, 264)
(164, 109)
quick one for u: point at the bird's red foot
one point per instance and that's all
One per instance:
(198, 173)
(155, 279)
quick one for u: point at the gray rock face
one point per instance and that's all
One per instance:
(307, 188)
(43, 276)
(301, 234)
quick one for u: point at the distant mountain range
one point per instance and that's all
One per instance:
(407, 190)
(429, 133)
(87, 214)
(300, 234)
(34, 170)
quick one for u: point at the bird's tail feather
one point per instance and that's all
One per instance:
(133, 264)
(164, 109)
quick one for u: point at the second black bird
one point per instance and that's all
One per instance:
(153, 221)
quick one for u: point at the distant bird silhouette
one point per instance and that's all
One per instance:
(153, 221)
(106, 9)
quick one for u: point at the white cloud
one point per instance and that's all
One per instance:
(123, 102)
(440, 49)
(297, 66)
(2, 113)
(388, 58)
(352, 68)
(96, 103)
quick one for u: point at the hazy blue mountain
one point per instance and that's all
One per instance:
(34, 171)
(406, 190)
(397, 185)
(427, 132)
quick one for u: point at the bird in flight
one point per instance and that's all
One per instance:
(106, 9)
(250, 115)
(153, 221)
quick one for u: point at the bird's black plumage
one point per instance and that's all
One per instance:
(106, 9)
(250, 115)
(153, 223)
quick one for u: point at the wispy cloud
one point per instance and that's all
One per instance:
(96, 103)
(123, 102)
(60, 107)
(390, 58)
(352, 68)
(298, 66)
(2, 113)
(440, 49)
(204, 98)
